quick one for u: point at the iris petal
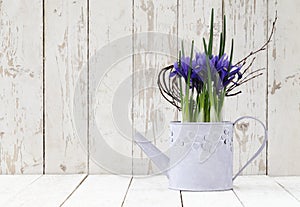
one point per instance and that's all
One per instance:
(219, 66)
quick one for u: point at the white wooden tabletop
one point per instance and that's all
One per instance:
(112, 190)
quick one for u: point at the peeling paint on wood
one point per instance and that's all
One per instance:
(194, 21)
(151, 113)
(21, 87)
(275, 87)
(66, 35)
(66, 52)
(110, 21)
(284, 113)
(246, 23)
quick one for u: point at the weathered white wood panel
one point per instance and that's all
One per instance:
(151, 191)
(110, 68)
(154, 49)
(283, 90)
(246, 23)
(10, 185)
(111, 190)
(48, 190)
(66, 56)
(21, 87)
(226, 198)
(100, 190)
(66, 45)
(262, 191)
(194, 22)
(290, 184)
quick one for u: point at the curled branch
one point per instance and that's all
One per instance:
(263, 47)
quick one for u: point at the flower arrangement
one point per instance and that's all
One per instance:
(198, 84)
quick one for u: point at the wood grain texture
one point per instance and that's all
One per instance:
(112, 190)
(290, 184)
(110, 68)
(283, 88)
(262, 191)
(100, 190)
(21, 87)
(48, 190)
(10, 185)
(194, 22)
(151, 191)
(66, 52)
(154, 49)
(226, 198)
(157, 28)
(246, 23)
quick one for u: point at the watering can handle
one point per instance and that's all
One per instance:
(258, 151)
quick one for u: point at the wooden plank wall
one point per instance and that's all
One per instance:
(283, 90)
(21, 87)
(246, 23)
(45, 51)
(151, 113)
(109, 21)
(65, 56)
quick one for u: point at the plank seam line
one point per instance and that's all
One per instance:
(267, 91)
(88, 88)
(132, 86)
(181, 201)
(177, 28)
(22, 189)
(123, 201)
(238, 197)
(282, 186)
(44, 85)
(79, 184)
(36, 179)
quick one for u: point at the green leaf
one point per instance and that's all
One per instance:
(231, 55)
(221, 43)
(180, 82)
(209, 84)
(224, 35)
(192, 51)
(205, 47)
(190, 69)
(191, 105)
(188, 83)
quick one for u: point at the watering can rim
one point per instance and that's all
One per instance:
(201, 123)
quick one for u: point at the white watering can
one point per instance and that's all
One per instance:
(200, 155)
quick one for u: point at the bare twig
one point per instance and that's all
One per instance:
(166, 89)
(263, 47)
(253, 72)
(233, 94)
(242, 62)
(255, 76)
(232, 87)
(168, 86)
(249, 66)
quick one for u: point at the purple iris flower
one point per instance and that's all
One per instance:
(227, 72)
(219, 68)
(181, 70)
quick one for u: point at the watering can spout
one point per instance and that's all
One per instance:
(157, 157)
